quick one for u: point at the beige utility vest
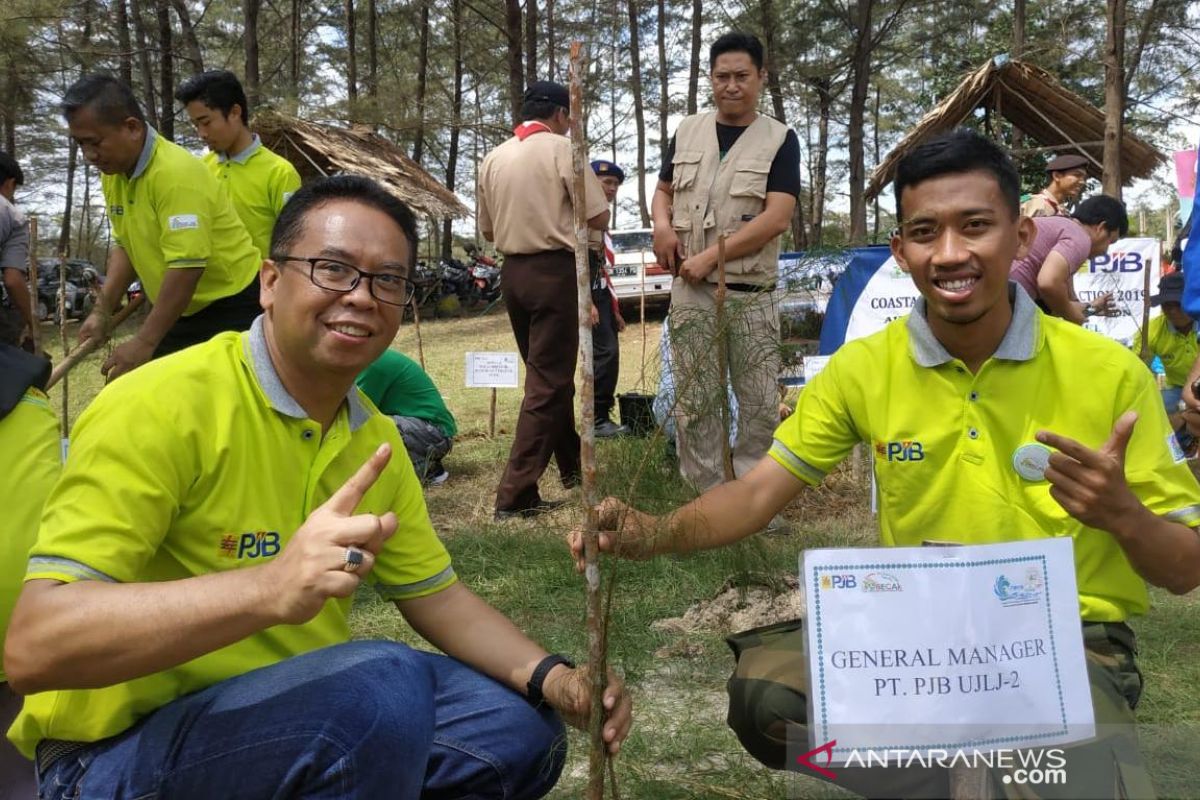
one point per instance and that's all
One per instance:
(714, 196)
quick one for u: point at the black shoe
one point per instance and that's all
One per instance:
(572, 481)
(607, 429)
(541, 507)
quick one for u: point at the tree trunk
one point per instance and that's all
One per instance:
(10, 108)
(125, 57)
(551, 44)
(422, 83)
(294, 61)
(531, 29)
(139, 30)
(1114, 96)
(516, 66)
(639, 115)
(694, 67)
(191, 44)
(875, 135)
(64, 235)
(664, 107)
(166, 70)
(861, 74)
(1018, 51)
(351, 61)
(251, 42)
(373, 55)
(823, 87)
(774, 68)
(455, 121)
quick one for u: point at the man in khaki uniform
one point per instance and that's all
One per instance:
(526, 206)
(731, 171)
(1068, 175)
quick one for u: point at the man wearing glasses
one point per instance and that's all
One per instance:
(183, 628)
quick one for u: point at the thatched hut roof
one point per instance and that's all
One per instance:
(1034, 101)
(316, 150)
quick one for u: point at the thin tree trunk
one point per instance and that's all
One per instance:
(294, 61)
(10, 108)
(694, 66)
(1114, 96)
(516, 66)
(551, 43)
(251, 77)
(191, 44)
(139, 30)
(639, 115)
(83, 249)
(823, 87)
(875, 135)
(664, 107)
(166, 70)
(861, 72)
(774, 67)
(422, 83)
(351, 60)
(455, 120)
(125, 57)
(373, 54)
(64, 235)
(531, 29)
(1018, 52)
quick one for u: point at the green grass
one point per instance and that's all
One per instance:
(680, 746)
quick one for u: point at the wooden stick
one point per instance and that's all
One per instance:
(87, 348)
(723, 363)
(62, 332)
(642, 317)
(598, 752)
(1144, 352)
(492, 416)
(35, 323)
(417, 327)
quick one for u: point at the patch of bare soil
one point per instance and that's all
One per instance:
(737, 609)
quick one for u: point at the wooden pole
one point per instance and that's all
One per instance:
(597, 662)
(35, 324)
(723, 363)
(1144, 352)
(492, 416)
(417, 327)
(62, 332)
(87, 348)
(642, 319)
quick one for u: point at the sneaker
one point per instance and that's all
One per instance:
(542, 507)
(607, 429)
(438, 479)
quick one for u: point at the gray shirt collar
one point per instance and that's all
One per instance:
(147, 151)
(1019, 342)
(272, 386)
(244, 156)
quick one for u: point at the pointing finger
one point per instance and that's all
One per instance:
(346, 499)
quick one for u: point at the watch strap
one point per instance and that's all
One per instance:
(534, 687)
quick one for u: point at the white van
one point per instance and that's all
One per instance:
(633, 255)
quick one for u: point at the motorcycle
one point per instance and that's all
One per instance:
(485, 276)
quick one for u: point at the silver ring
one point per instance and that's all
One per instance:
(354, 559)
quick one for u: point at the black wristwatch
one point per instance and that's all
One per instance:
(533, 689)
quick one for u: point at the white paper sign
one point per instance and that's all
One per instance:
(923, 650)
(492, 370)
(813, 366)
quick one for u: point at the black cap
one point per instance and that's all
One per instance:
(1061, 163)
(1170, 289)
(603, 168)
(549, 92)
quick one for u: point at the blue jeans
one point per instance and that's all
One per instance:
(362, 719)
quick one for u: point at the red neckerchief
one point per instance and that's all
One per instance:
(527, 129)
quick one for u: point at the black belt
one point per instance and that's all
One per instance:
(50, 751)
(750, 287)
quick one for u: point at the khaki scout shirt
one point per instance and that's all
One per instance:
(1043, 204)
(525, 195)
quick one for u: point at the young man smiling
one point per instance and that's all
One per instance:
(183, 628)
(975, 374)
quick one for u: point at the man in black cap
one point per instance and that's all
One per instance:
(607, 321)
(1068, 174)
(526, 199)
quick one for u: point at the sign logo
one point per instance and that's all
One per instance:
(838, 582)
(905, 450)
(181, 222)
(1019, 594)
(805, 760)
(881, 582)
(252, 544)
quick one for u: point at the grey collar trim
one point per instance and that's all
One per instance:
(279, 397)
(147, 151)
(1019, 342)
(244, 156)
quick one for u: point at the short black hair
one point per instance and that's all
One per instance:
(111, 99)
(539, 109)
(9, 168)
(217, 88)
(736, 42)
(290, 223)
(961, 150)
(1105, 209)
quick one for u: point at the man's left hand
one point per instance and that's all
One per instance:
(697, 267)
(620, 322)
(126, 356)
(568, 691)
(1090, 484)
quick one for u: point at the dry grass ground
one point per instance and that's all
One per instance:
(680, 747)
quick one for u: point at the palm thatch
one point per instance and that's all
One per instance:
(317, 150)
(1034, 101)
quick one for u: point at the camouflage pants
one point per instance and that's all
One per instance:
(768, 708)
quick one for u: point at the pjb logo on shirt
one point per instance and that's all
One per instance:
(907, 450)
(252, 544)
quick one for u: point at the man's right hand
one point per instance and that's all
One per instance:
(312, 567)
(94, 327)
(668, 250)
(623, 531)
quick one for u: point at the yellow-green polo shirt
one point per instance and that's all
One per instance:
(944, 440)
(29, 441)
(170, 214)
(260, 182)
(1177, 351)
(203, 462)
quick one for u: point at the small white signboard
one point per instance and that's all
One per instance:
(813, 366)
(926, 650)
(492, 370)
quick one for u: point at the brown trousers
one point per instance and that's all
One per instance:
(541, 297)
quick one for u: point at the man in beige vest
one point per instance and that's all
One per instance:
(1068, 175)
(735, 172)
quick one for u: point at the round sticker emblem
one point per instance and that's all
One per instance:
(1030, 461)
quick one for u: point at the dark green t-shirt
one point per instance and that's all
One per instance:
(399, 387)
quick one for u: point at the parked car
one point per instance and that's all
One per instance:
(82, 282)
(633, 258)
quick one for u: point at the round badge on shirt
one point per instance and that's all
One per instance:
(1030, 461)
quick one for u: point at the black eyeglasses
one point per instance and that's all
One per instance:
(336, 276)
